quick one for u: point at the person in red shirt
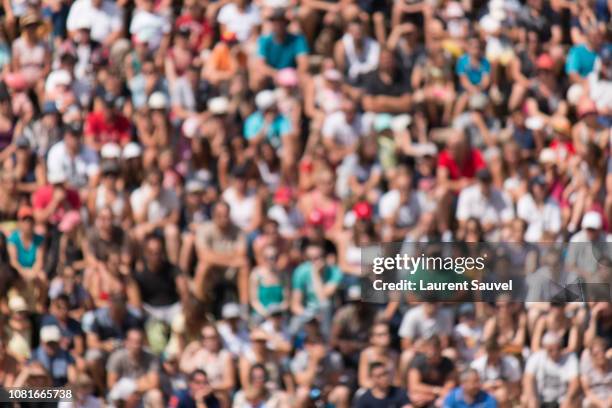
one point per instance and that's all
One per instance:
(53, 201)
(457, 167)
(107, 124)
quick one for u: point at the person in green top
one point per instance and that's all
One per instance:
(25, 248)
(267, 286)
(314, 284)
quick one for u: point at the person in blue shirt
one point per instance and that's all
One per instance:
(58, 362)
(266, 123)
(199, 389)
(279, 49)
(473, 70)
(70, 329)
(581, 58)
(469, 394)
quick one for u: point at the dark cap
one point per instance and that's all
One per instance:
(49, 107)
(110, 167)
(239, 172)
(484, 175)
(22, 143)
(278, 14)
(538, 180)
(74, 128)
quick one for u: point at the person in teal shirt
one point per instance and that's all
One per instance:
(266, 123)
(280, 49)
(25, 247)
(474, 66)
(314, 284)
(581, 57)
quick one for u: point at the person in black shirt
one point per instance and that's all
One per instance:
(162, 285)
(199, 389)
(431, 375)
(382, 394)
(386, 90)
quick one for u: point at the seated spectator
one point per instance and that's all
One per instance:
(55, 358)
(431, 375)
(221, 250)
(233, 330)
(133, 373)
(198, 393)
(162, 285)
(351, 326)
(157, 208)
(314, 283)
(317, 371)
(66, 285)
(267, 284)
(557, 322)
(386, 89)
(52, 201)
(26, 248)
(259, 391)
(72, 336)
(500, 373)
(382, 393)
(73, 158)
(551, 376)
(487, 204)
(596, 378)
(379, 351)
(208, 354)
(279, 49)
(469, 394)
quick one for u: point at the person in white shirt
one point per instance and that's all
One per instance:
(157, 208)
(400, 208)
(500, 373)
(589, 245)
(240, 17)
(486, 203)
(152, 25)
(104, 17)
(550, 376)
(73, 158)
(541, 213)
(341, 131)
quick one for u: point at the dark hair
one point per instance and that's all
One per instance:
(373, 366)
(259, 366)
(196, 372)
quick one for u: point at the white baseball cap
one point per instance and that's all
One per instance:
(50, 334)
(218, 105)
(110, 151)
(132, 150)
(591, 220)
(18, 304)
(264, 100)
(158, 100)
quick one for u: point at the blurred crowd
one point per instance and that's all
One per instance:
(185, 187)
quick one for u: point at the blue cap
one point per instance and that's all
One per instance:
(49, 107)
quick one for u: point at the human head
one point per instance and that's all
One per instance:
(380, 375)
(134, 342)
(470, 382)
(198, 382)
(221, 215)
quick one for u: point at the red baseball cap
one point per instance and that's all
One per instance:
(363, 210)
